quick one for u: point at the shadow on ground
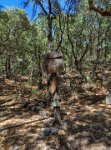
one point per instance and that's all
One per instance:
(88, 126)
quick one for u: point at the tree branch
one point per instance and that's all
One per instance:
(98, 9)
(49, 2)
(62, 32)
(39, 2)
(22, 124)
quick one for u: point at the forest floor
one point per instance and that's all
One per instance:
(85, 115)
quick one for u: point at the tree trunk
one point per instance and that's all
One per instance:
(49, 35)
(40, 70)
(8, 67)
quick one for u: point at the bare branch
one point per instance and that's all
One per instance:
(49, 2)
(22, 124)
(41, 5)
(62, 32)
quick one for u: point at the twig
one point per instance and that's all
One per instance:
(21, 124)
(96, 100)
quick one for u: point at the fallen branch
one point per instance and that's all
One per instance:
(21, 124)
(97, 100)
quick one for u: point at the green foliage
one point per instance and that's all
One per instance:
(20, 38)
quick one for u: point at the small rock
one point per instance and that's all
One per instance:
(54, 131)
(16, 147)
(43, 113)
(61, 133)
(100, 114)
(45, 131)
(70, 138)
(49, 131)
(42, 146)
(64, 126)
